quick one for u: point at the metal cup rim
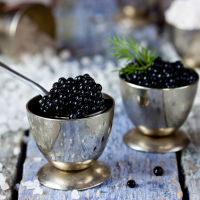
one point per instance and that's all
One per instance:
(52, 119)
(161, 89)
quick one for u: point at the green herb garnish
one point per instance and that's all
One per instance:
(129, 50)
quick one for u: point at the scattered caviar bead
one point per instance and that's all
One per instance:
(131, 183)
(158, 171)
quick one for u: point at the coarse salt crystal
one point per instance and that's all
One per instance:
(4, 129)
(65, 54)
(36, 183)
(30, 186)
(188, 18)
(1, 167)
(4, 186)
(85, 61)
(38, 190)
(16, 151)
(16, 187)
(75, 194)
(25, 139)
(37, 159)
(98, 58)
(2, 197)
(26, 183)
(2, 178)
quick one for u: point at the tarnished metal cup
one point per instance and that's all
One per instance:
(11, 17)
(157, 112)
(183, 38)
(71, 144)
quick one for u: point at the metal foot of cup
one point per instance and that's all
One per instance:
(73, 180)
(140, 142)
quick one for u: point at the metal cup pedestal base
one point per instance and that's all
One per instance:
(140, 142)
(54, 178)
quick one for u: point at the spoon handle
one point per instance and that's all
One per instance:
(19, 76)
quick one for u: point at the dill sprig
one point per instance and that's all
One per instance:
(131, 50)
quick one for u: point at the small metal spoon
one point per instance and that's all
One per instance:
(26, 80)
(35, 86)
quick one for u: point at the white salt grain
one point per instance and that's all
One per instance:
(1, 167)
(16, 187)
(85, 61)
(4, 129)
(2, 197)
(16, 151)
(2, 178)
(4, 186)
(38, 190)
(75, 194)
(36, 183)
(37, 159)
(184, 14)
(98, 58)
(25, 139)
(65, 54)
(26, 183)
(30, 186)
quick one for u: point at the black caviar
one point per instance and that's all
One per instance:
(158, 171)
(131, 183)
(73, 98)
(162, 74)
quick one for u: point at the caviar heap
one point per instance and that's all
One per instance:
(146, 69)
(161, 74)
(73, 98)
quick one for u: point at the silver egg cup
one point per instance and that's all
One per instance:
(157, 115)
(72, 148)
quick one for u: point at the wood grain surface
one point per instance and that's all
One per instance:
(8, 142)
(190, 159)
(125, 164)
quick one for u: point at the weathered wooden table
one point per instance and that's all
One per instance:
(179, 181)
(125, 164)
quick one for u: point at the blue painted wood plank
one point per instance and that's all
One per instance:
(124, 163)
(190, 159)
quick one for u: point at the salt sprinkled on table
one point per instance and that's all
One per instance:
(2, 178)
(3, 184)
(17, 186)
(65, 54)
(37, 159)
(1, 167)
(36, 183)
(38, 190)
(75, 194)
(16, 151)
(25, 139)
(33, 185)
(2, 197)
(26, 183)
